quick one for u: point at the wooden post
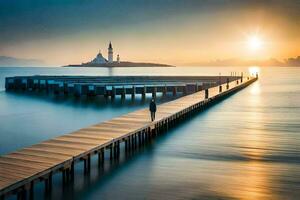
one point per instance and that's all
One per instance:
(220, 88)
(129, 143)
(111, 151)
(105, 92)
(72, 171)
(185, 90)
(135, 140)
(118, 148)
(227, 85)
(21, 194)
(154, 92)
(87, 163)
(242, 77)
(140, 137)
(99, 158)
(113, 92)
(144, 92)
(133, 92)
(165, 90)
(174, 90)
(126, 145)
(48, 184)
(206, 93)
(31, 190)
(123, 93)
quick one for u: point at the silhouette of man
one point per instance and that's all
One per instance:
(152, 108)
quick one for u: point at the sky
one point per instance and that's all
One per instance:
(179, 32)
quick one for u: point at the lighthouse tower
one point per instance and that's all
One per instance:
(118, 58)
(110, 53)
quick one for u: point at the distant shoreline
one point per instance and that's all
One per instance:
(121, 64)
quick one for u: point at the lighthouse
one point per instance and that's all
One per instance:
(110, 53)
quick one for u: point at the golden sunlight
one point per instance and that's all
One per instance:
(254, 43)
(253, 70)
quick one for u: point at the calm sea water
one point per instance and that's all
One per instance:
(245, 147)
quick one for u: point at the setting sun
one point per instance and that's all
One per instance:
(254, 43)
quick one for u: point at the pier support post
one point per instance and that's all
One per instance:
(129, 143)
(135, 140)
(72, 171)
(87, 163)
(31, 190)
(99, 158)
(206, 93)
(105, 92)
(220, 88)
(144, 92)
(154, 92)
(113, 92)
(64, 177)
(123, 93)
(242, 77)
(132, 141)
(48, 183)
(22, 194)
(165, 90)
(174, 91)
(227, 84)
(184, 90)
(140, 135)
(126, 145)
(116, 149)
(111, 151)
(133, 92)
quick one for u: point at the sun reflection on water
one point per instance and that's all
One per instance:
(254, 70)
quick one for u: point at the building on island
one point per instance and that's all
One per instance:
(102, 60)
(110, 53)
(118, 58)
(99, 59)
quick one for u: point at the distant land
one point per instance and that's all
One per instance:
(272, 62)
(121, 64)
(7, 61)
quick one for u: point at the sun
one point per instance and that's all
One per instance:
(254, 43)
(253, 70)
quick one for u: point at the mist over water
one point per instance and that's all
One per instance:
(245, 147)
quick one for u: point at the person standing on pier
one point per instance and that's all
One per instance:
(152, 108)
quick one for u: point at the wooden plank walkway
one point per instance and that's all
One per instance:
(19, 170)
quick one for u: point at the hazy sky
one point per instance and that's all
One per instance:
(168, 31)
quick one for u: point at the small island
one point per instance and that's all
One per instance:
(100, 61)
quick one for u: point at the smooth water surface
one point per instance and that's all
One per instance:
(245, 147)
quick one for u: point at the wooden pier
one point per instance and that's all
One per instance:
(20, 170)
(111, 86)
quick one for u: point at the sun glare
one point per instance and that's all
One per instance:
(253, 70)
(254, 43)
